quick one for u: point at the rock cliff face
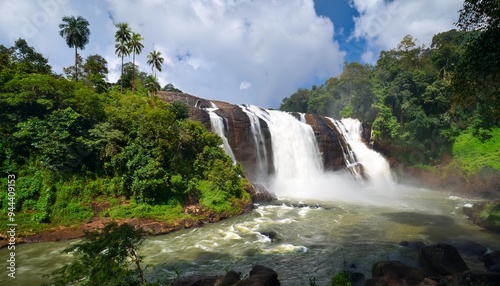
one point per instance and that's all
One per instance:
(238, 131)
(330, 142)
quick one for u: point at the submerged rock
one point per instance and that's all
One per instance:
(416, 245)
(442, 259)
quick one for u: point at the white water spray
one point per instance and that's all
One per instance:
(217, 124)
(255, 113)
(375, 165)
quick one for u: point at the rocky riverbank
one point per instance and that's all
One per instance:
(439, 264)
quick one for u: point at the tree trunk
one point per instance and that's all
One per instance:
(133, 73)
(76, 63)
(121, 78)
(138, 265)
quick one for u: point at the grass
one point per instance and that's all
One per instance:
(492, 213)
(471, 154)
(167, 213)
(342, 279)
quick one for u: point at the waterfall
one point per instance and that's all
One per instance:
(217, 124)
(256, 114)
(296, 152)
(294, 167)
(375, 165)
(297, 160)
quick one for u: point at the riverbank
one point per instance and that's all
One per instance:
(198, 218)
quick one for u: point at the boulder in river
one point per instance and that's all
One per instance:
(395, 273)
(261, 276)
(442, 259)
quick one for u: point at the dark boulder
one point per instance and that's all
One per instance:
(479, 279)
(231, 278)
(442, 259)
(196, 280)
(395, 273)
(492, 261)
(261, 194)
(261, 276)
(271, 234)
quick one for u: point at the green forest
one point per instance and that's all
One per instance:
(77, 144)
(426, 103)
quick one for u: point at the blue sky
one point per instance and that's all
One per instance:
(239, 51)
(342, 14)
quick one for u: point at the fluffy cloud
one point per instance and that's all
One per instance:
(239, 51)
(383, 24)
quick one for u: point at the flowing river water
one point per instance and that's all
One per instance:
(313, 238)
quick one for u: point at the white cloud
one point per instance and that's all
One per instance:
(383, 24)
(208, 46)
(245, 85)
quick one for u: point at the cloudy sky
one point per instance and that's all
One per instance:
(240, 51)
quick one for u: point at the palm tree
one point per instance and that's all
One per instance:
(135, 46)
(122, 38)
(76, 32)
(155, 60)
(151, 85)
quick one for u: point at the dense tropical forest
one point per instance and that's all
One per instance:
(426, 103)
(77, 144)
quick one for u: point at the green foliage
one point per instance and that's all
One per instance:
(73, 149)
(477, 80)
(104, 258)
(473, 153)
(95, 71)
(170, 87)
(27, 61)
(57, 138)
(342, 279)
(385, 126)
(492, 213)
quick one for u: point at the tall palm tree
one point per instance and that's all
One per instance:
(155, 60)
(76, 32)
(135, 46)
(122, 38)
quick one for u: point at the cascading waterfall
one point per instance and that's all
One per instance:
(375, 165)
(217, 124)
(352, 163)
(255, 113)
(297, 153)
(298, 166)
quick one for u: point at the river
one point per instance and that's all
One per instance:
(313, 238)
